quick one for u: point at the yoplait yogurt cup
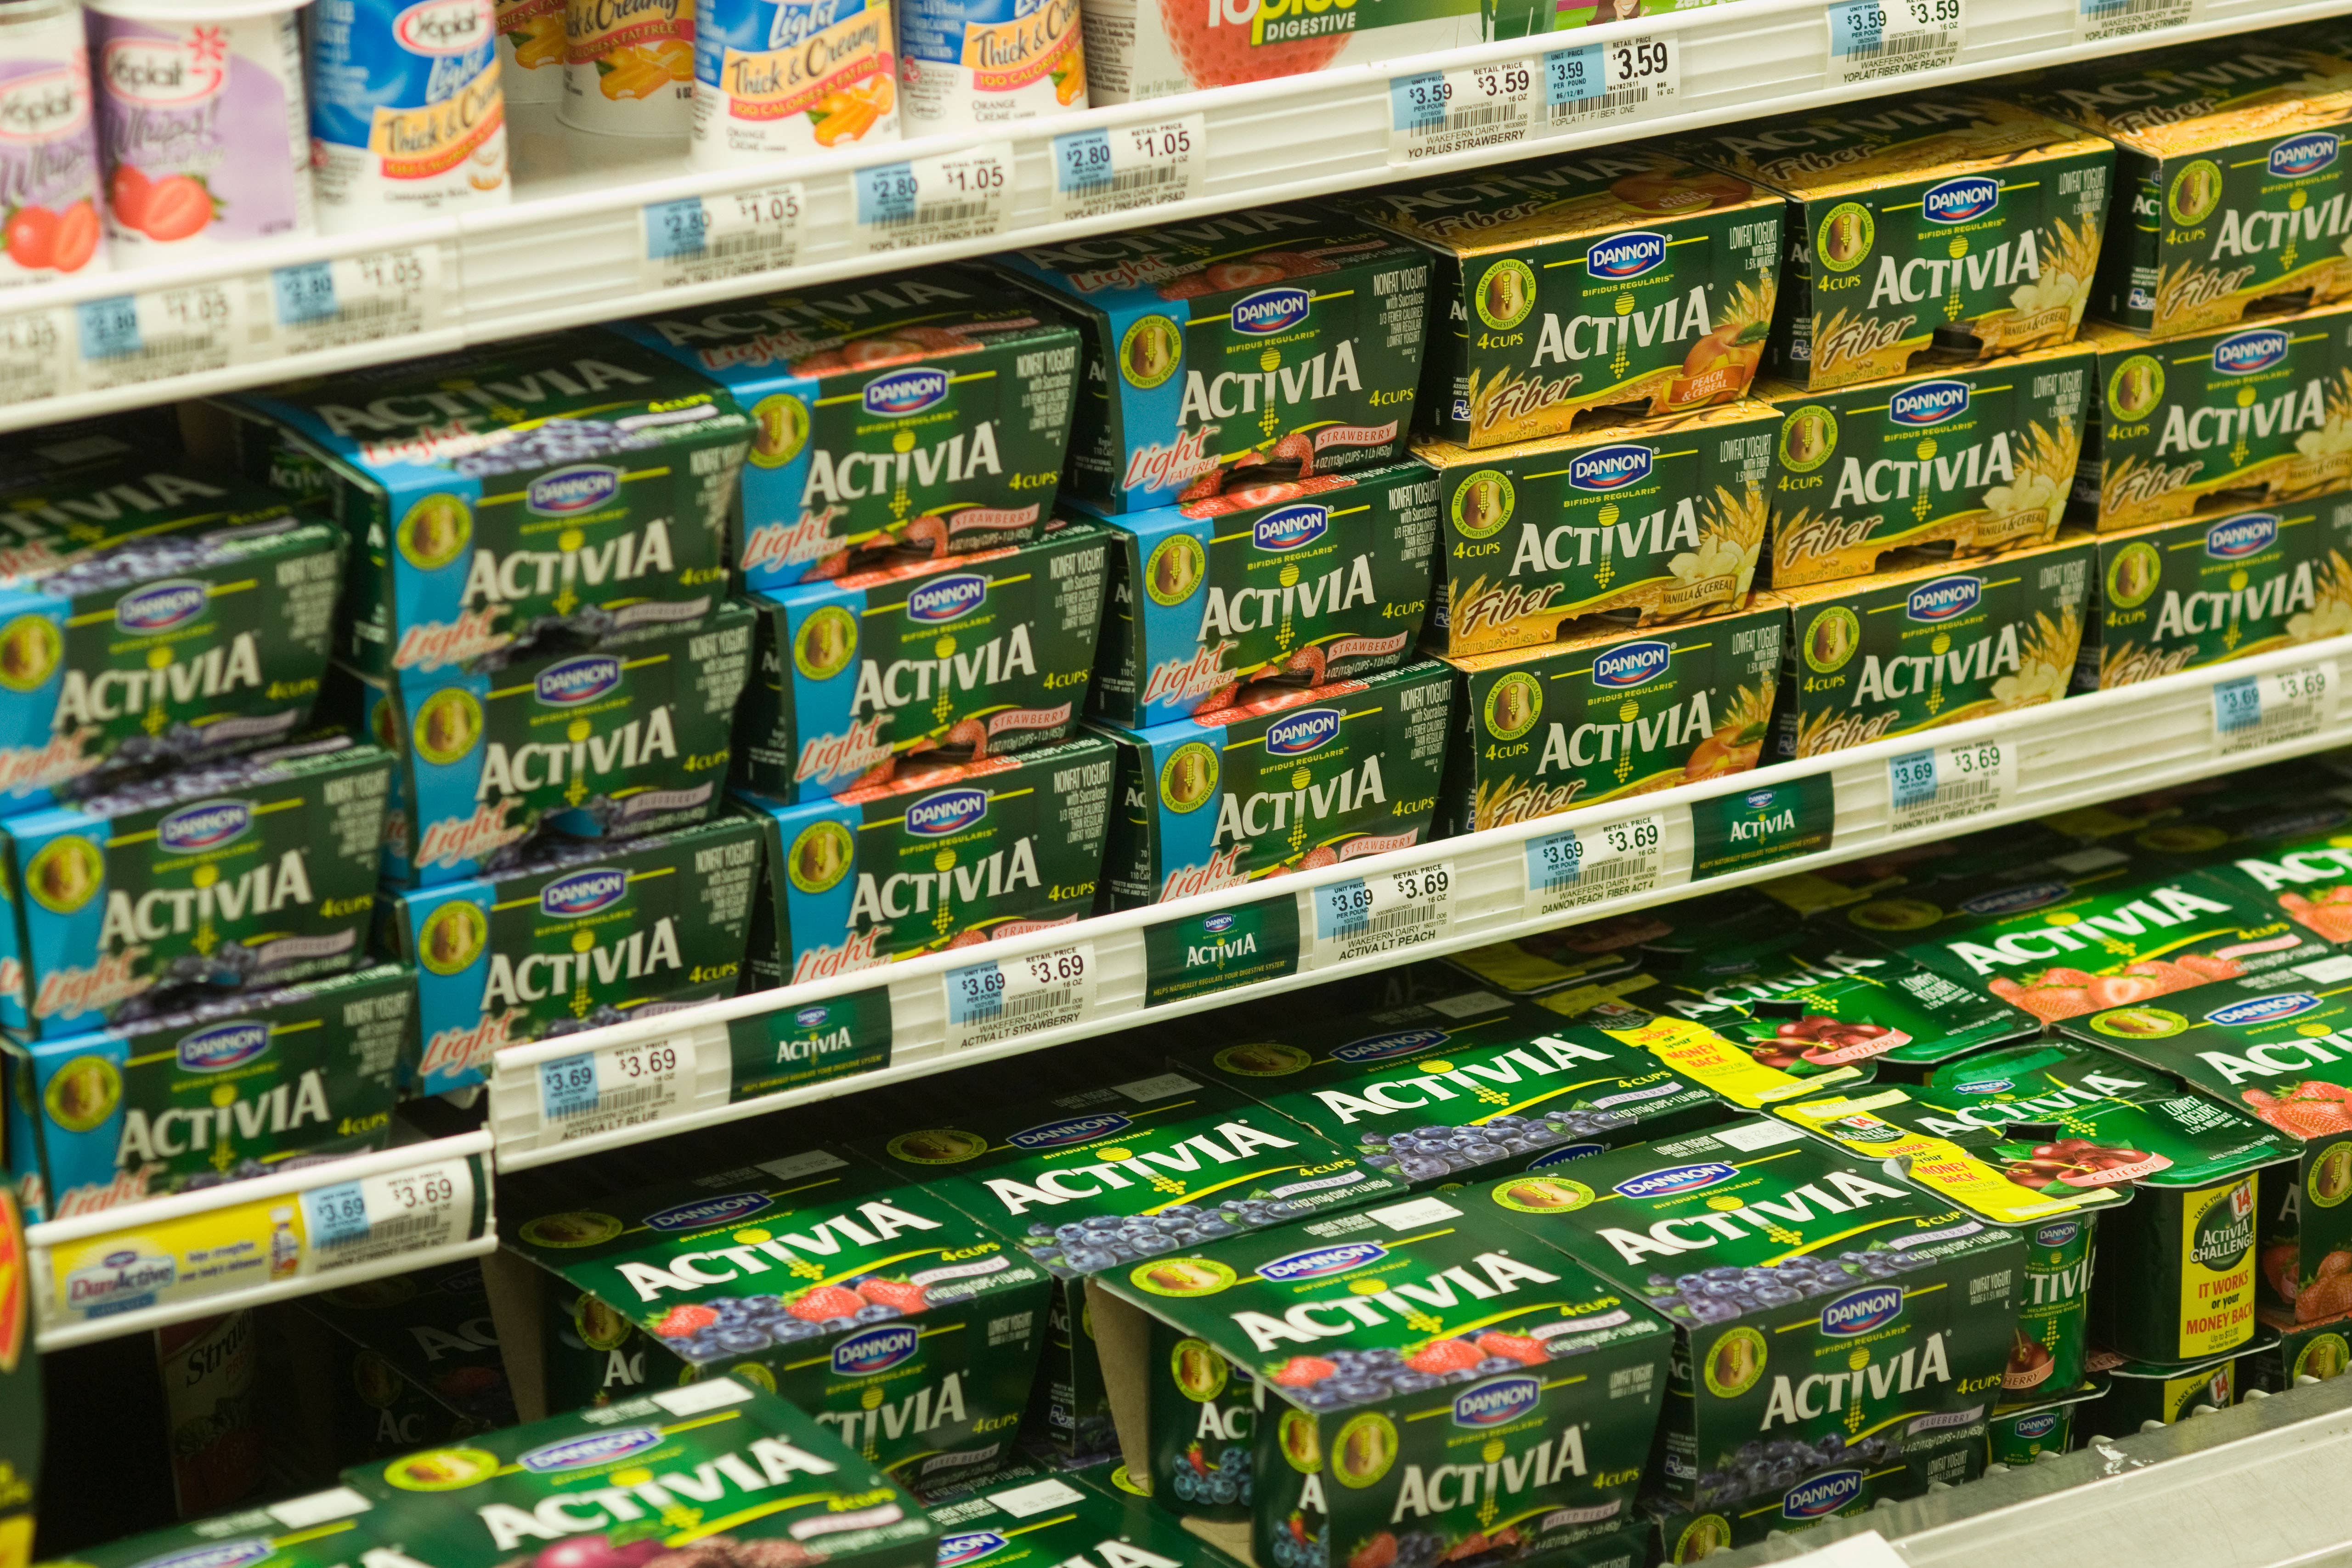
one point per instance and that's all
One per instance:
(802, 77)
(48, 147)
(202, 117)
(407, 116)
(531, 50)
(628, 66)
(989, 63)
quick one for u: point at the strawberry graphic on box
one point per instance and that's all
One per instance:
(1140, 50)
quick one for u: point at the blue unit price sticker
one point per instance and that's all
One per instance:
(1381, 911)
(1594, 84)
(1432, 113)
(360, 299)
(1946, 783)
(378, 1216)
(185, 329)
(2252, 711)
(943, 199)
(700, 239)
(994, 1000)
(1127, 167)
(1583, 866)
(604, 1090)
(1873, 39)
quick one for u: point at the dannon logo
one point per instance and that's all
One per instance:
(1271, 311)
(207, 825)
(2305, 154)
(2016, 900)
(584, 892)
(2057, 1234)
(1823, 1494)
(948, 811)
(1943, 598)
(1217, 925)
(1379, 1047)
(1495, 1403)
(578, 680)
(223, 1554)
(2248, 534)
(160, 606)
(223, 1046)
(1859, 1311)
(1958, 201)
(1627, 254)
(2262, 1009)
(1928, 403)
(948, 599)
(2041, 1423)
(1288, 528)
(1563, 1155)
(596, 1448)
(1671, 1179)
(567, 490)
(971, 1548)
(1630, 664)
(1611, 467)
(2243, 354)
(1077, 1129)
(729, 1210)
(1295, 734)
(905, 391)
(1321, 1261)
(876, 1350)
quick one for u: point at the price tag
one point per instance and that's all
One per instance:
(699, 239)
(1949, 783)
(1130, 166)
(400, 1211)
(357, 298)
(2098, 20)
(1569, 870)
(994, 1000)
(1597, 83)
(1382, 912)
(619, 1086)
(131, 338)
(2257, 711)
(35, 356)
(1873, 39)
(1432, 113)
(939, 200)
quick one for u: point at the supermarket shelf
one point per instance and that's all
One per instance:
(573, 249)
(2071, 753)
(141, 1266)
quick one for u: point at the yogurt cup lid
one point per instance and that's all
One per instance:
(184, 11)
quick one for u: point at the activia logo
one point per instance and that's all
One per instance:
(1322, 1261)
(2243, 535)
(578, 680)
(948, 811)
(1077, 1129)
(596, 1448)
(1928, 403)
(876, 1350)
(971, 1548)
(948, 599)
(2243, 354)
(1943, 598)
(1611, 467)
(576, 488)
(1822, 1495)
(1377, 1047)
(2262, 1009)
(1497, 1401)
(905, 391)
(222, 1554)
(223, 1046)
(2057, 1234)
(1271, 311)
(2305, 154)
(1859, 1311)
(1630, 664)
(161, 607)
(1288, 528)
(1671, 1179)
(1626, 255)
(1295, 734)
(207, 825)
(2041, 1423)
(2016, 900)
(1958, 200)
(443, 26)
(582, 892)
(731, 1209)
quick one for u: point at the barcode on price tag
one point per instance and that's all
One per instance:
(996, 999)
(699, 239)
(400, 1211)
(357, 298)
(938, 200)
(1432, 113)
(620, 1086)
(131, 338)
(2096, 20)
(1577, 866)
(2258, 710)
(36, 358)
(1871, 39)
(1948, 783)
(1382, 912)
(1129, 166)
(1596, 83)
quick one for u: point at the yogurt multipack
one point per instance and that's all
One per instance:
(1038, 1521)
(411, 1359)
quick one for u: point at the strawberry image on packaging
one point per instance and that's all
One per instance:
(1138, 49)
(1274, 344)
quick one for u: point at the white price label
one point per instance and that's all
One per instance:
(1583, 866)
(378, 1216)
(698, 239)
(994, 1000)
(1432, 113)
(158, 332)
(2098, 20)
(36, 358)
(1874, 39)
(1596, 83)
(1127, 167)
(357, 298)
(1949, 783)
(2256, 711)
(939, 200)
(1381, 912)
(619, 1086)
